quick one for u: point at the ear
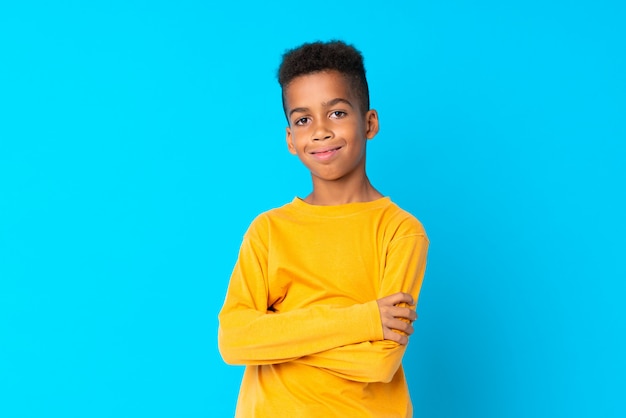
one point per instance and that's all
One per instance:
(289, 138)
(371, 124)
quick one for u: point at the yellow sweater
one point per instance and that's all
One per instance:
(301, 311)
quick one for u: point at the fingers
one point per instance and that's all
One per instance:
(397, 298)
(397, 323)
(404, 298)
(406, 313)
(397, 312)
(397, 337)
(400, 325)
(397, 317)
(401, 337)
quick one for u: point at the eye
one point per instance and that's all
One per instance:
(301, 121)
(338, 114)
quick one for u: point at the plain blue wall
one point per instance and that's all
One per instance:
(139, 139)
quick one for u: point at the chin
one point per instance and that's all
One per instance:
(329, 177)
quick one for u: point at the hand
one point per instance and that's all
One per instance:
(397, 316)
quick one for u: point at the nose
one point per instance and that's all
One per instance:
(321, 132)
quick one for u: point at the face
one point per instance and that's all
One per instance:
(327, 129)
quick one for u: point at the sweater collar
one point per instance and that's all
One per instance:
(345, 209)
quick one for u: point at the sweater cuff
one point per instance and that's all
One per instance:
(374, 322)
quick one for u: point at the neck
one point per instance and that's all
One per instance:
(343, 191)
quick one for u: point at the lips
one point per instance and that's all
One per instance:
(325, 153)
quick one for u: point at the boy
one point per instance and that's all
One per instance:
(322, 297)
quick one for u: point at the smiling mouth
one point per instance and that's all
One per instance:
(326, 151)
(325, 154)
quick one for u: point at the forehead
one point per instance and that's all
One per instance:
(317, 88)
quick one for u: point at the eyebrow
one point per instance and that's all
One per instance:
(330, 103)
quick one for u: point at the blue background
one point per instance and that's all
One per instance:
(138, 139)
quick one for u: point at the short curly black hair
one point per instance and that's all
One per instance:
(319, 56)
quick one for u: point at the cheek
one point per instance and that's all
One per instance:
(298, 137)
(295, 144)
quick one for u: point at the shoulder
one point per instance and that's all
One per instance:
(261, 224)
(403, 222)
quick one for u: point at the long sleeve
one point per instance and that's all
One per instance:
(378, 361)
(250, 333)
(301, 309)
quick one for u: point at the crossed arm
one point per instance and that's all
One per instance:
(372, 361)
(378, 360)
(363, 342)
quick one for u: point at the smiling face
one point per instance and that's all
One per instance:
(327, 129)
